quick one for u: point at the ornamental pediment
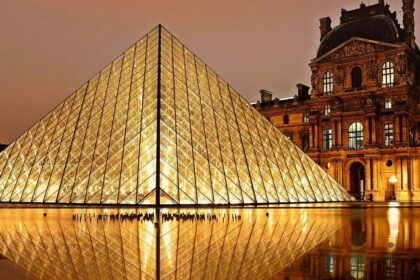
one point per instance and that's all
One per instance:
(356, 47)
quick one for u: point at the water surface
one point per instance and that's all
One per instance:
(288, 243)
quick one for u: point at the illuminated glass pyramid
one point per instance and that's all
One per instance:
(159, 127)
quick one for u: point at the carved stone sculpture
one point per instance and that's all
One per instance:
(401, 65)
(373, 71)
(354, 48)
(314, 79)
(340, 75)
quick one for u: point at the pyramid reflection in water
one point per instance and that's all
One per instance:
(157, 126)
(255, 247)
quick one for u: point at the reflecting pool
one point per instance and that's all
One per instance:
(264, 243)
(379, 243)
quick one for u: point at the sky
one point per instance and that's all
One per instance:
(49, 48)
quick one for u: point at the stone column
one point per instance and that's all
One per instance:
(369, 128)
(398, 184)
(373, 131)
(316, 136)
(366, 133)
(374, 180)
(338, 171)
(404, 179)
(397, 130)
(368, 175)
(404, 128)
(339, 134)
(335, 133)
(410, 173)
(311, 136)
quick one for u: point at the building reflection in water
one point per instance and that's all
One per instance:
(233, 244)
(372, 244)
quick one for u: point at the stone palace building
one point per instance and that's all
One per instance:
(361, 118)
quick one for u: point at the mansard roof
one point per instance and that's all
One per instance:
(374, 22)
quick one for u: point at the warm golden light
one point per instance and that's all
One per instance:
(215, 244)
(159, 126)
(392, 179)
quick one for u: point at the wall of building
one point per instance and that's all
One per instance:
(376, 170)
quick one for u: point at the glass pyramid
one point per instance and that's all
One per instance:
(157, 126)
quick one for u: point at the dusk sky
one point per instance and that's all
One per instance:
(49, 48)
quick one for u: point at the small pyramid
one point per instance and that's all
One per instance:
(157, 126)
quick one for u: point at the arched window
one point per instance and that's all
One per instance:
(357, 267)
(388, 74)
(356, 77)
(328, 83)
(285, 119)
(355, 136)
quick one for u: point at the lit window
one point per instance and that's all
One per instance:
(327, 110)
(356, 77)
(305, 117)
(329, 264)
(355, 136)
(388, 74)
(327, 139)
(357, 267)
(388, 103)
(389, 269)
(328, 82)
(286, 119)
(389, 134)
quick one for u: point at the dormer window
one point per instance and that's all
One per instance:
(388, 74)
(328, 83)
(356, 77)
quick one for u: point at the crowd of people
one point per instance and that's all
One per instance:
(199, 217)
(150, 217)
(120, 217)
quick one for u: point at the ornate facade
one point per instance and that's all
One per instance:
(361, 118)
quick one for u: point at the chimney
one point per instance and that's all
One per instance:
(266, 96)
(408, 21)
(303, 92)
(324, 26)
